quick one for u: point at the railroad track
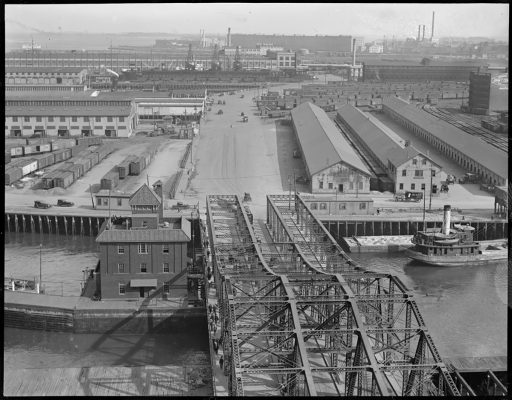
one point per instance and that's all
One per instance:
(467, 125)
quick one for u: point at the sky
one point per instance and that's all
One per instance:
(367, 20)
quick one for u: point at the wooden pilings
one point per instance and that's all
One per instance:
(57, 224)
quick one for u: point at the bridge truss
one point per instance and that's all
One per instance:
(300, 318)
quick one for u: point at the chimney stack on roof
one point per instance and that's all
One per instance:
(423, 33)
(432, 33)
(419, 32)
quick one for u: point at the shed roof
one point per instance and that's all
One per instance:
(482, 152)
(53, 111)
(36, 68)
(160, 235)
(384, 147)
(322, 143)
(144, 196)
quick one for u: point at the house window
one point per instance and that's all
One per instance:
(143, 267)
(323, 206)
(98, 119)
(424, 162)
(86, 119)
(120, 249)
(401, 186)
(14, 119)
(122, 288)
(314, 206)
(105, 202)
(110, 119)
(165, 249)
(39, 119)
(98, 201)
(414, 161)
(143, 248)
(26, 119)
(404, 172)
(362, 206)
(422, 186)
(62, 119)
(121, 119)
(120, 268)
(165, 267)
(321, 185)
(343, 206)
(119, 202)
(50, 119)
(74, 119)
(418, 173)
(413, 186)
(433, 172)
(330, 185)
(166, 288)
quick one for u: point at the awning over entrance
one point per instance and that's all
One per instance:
(143, 283)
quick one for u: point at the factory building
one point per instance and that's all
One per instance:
(337, 44)
(35, 75)
(146, 258)
(472, 153)
(479, 93)
(409, 169)
(45, 88)
(111, 114)
(404, 71)
(332, 165)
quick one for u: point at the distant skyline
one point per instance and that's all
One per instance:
(367, 20)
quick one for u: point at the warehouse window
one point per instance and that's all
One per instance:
(105, 202)
(39, 119)
(401, 186)
(165, 267)
(414, 161)
(120, 249)
(422, 186)
(119, 202)
(14, 119)
(433, 172)
(26, 119)
(323, 206)
(86, 119)
(321, 185)
(98, 119)
(165, 249)
(122, 288)
(362, 206)
(343, 206)
(424, 162)
(121, 119)
(110, 119)
(98, 201)
(166, 288)
(418, 173)
(143, 267)
(330, 185)
(314, 206)
(74, 119)
(62, 119)
(143, 248)
(360, 184)
(413, 186)
(120, 268)
(50, 119)
(404, 172)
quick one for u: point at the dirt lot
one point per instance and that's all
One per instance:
(163, 166)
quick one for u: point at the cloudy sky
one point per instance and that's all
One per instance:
(371, 20)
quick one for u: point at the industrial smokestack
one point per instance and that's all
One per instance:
(354, 51)
(446, 219)
(419, 32)
(423, 33)
(433, 17)
(229, 38)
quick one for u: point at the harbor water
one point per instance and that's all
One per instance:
(465, 309)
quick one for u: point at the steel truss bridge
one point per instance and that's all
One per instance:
(300, 318)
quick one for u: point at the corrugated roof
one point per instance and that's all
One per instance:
(53, 111)
(375, 138)
(321, 141)
(127, 95)
(44, 69)
(142, 235)
(482, 152)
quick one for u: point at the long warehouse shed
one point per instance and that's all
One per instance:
(331, 162)
(472, 153)
(407, 167)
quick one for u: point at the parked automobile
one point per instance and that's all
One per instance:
(409, 196)
(64, 203)
(40, 204)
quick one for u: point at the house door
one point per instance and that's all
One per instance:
(340, 188)
(141, 290)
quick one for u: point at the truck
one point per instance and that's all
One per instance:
(469, 178)
(409, 196)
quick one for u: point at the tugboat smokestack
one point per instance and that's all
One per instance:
(446, 219)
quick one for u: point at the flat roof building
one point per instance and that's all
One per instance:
(331, 163)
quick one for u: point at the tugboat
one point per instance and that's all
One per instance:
(454, 246)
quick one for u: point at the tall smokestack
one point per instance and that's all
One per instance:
(447, 219)
(419, 32)
(423, 33)
(229, 38)
(433, 18)
(354, 51)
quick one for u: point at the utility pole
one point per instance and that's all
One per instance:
(40, 266)
(430, 200)
(424, 200)
(289, 191)
(92, 199)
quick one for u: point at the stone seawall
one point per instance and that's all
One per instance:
(72, 316)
